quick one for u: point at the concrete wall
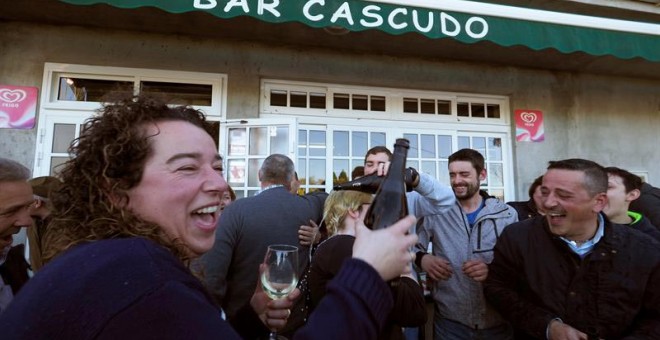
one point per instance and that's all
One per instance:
(611, 120)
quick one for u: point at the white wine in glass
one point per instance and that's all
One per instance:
(280, 276)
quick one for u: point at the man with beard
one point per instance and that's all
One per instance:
(16, 202)
(573, 274)
(463, 242)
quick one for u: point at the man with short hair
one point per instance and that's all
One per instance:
(463, 241)
(573, 274)
(249, 225)
(624, 187)
(16, 201)
(428, 197)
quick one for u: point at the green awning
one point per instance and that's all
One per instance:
(465, 21)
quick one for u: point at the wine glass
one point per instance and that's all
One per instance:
(280, 276)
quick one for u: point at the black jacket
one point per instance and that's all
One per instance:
(612, 293)
(648, 204)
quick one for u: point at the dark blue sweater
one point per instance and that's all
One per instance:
(134, 288)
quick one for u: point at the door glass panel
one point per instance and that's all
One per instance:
(413, 152)
(360, 143)
(494, 149)
(377, 138)
(302, 143)
(496, 174)
(180, 93)
(428, 146)
(258, 141)
(429, 168)
(237, 141)
(463, 142)
(317, 143)
(444, 146)
(443, 172)
(89, 90)
(236, 171)
(340, 143)
(341, 172)
(479, 144)
(279, 139)
(55, 164)
(317, 172)
(63, 134)
(253, 171)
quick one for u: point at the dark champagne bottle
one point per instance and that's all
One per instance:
(389, 204)
(370, 183)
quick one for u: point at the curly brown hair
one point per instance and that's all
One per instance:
(107, 160)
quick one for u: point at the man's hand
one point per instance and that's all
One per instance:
(560, 331)
(387, 250)
(476, 270)
(309, 234)
(273, 313)
(436, 268)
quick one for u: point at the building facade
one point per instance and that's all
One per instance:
(325, 91)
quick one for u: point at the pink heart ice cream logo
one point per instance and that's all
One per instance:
(12, 96)
(528, 117)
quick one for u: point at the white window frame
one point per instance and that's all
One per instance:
(74, 112)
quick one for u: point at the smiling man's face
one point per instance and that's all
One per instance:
(16, 201)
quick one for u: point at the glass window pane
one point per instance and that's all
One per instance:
(444, 146)
(359, 143)
(496, 174)
(341, 101)
(360, 102)
(340, 172)
(378, 103)
(277, 98)
(413, 152)
(236, 171)
(427, 106)
(180, 93)
(478, 110)
(443, 172)
(56, 165)
(302, 170)
(317, 171)
(463, 142)
(428, 167)
(479, 144)
(90, 90)
(298, 99)
(317, 143)
(428, 146)
(410, 105)
(302, 142)
(317, 100)
(258, 141)
(279, 139)
(463, 109)
(499, 193)
(494, 149)
(237, 141)
(377, 138)
(63, 135)
(340, 147)
(444, 107)
(253, 171)
(493, 110)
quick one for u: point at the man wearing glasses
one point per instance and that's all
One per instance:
(16, 202)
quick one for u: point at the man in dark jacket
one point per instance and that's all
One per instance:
(648, 203)
(16, 202)
(573, 274)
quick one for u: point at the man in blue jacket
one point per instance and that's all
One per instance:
(573, 274)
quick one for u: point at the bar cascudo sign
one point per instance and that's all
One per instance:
(357, 16)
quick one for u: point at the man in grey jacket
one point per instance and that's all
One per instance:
(463, 241)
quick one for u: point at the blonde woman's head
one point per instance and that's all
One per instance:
(337, 206)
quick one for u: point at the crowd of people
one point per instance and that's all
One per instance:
(140, 236)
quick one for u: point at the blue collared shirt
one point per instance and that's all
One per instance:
(585, 248)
